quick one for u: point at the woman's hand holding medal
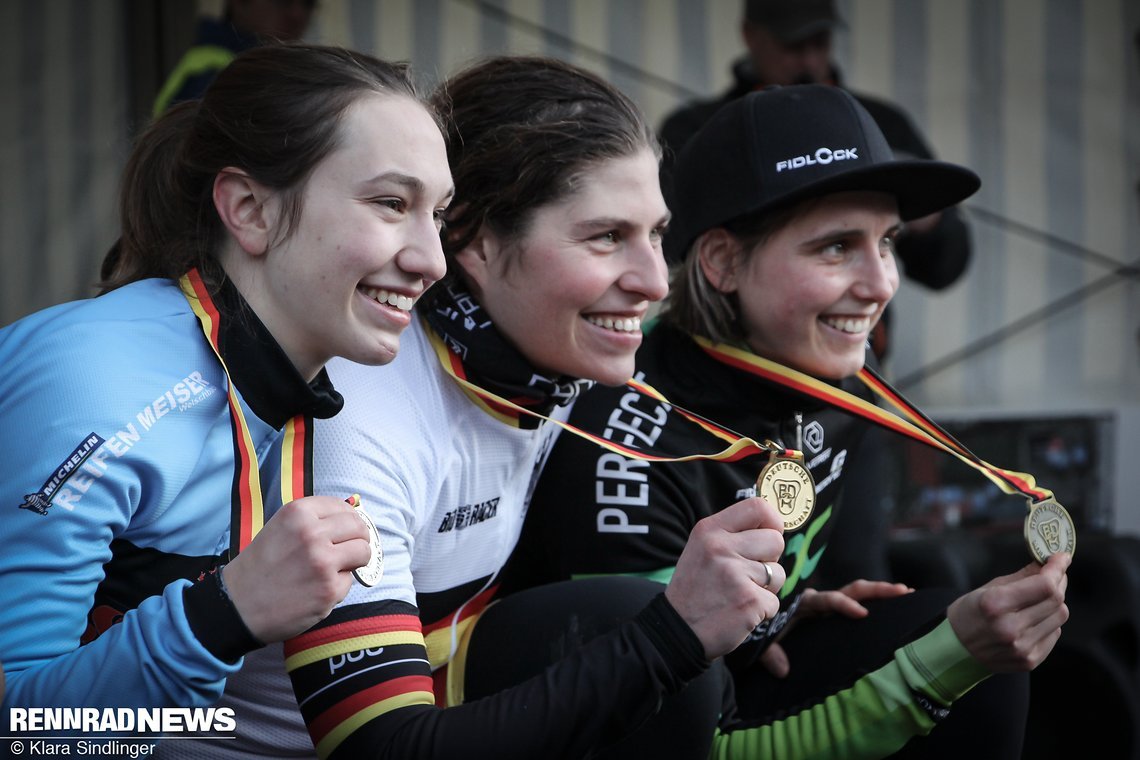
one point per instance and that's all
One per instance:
(728, 576)
(298, 567)
(1012, 623)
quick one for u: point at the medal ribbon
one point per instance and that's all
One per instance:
(504, 410)
(739, 446)
(247, 512)
(918, 426)
(1008, 481)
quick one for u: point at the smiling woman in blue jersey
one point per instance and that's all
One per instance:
(263, 231)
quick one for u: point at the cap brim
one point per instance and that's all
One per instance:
(921, 187)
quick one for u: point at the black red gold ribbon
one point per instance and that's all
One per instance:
(247, 513)
(507, 411)
(916, 426)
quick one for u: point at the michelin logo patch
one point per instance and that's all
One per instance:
(40, 501)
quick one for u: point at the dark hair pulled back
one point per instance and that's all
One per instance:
(521, 130)
(273, 112)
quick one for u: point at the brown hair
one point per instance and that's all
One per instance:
(695, 305)
(273, 112)
(522, 130)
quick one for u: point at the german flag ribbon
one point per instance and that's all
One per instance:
(505, 410)
(916, 425)
(247, 513)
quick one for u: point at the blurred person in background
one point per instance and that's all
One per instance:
(244, 24)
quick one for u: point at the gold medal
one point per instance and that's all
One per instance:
(370, 574)
(787, 484)
(1049, 529)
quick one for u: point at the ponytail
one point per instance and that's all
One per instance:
(166, 212)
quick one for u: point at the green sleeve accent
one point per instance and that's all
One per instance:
(662, 575)
(873, 718)
(938, 665)
(197, 60)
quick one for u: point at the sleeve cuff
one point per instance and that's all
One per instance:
(673, 638)
(941, 664)
(215, 621)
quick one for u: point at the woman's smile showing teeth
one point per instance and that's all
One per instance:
(618, 324)
(386, 297)
(852, 325)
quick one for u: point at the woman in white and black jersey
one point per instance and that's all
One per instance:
(553, 243)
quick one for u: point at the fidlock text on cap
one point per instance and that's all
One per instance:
(821, 156)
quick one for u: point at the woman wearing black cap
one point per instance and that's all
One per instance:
(786, 206)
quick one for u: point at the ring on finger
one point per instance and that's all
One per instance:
(767, 575)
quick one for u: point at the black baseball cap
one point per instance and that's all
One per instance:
(776, 147)
(793, 20)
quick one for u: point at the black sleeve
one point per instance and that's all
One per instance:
(590, 698)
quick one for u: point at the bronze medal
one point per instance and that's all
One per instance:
(370, 574)
(788, 486)
(1049, 529)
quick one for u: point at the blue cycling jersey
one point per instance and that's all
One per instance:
(115, 494)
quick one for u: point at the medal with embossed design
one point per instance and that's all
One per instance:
(1049, 529)
(370, 574)
(787, 484)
